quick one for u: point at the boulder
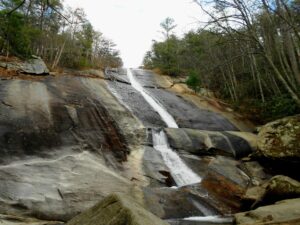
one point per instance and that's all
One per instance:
(202, 142)
(277, 188)
(252, 196)
(34, 66)
(283, 187)
(170, 203)
(187, 201)
(282, 213)
(226, 181)
(255, 171)
(116, 209)
(58, 189)
(280, 139)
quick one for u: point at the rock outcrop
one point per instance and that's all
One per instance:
(34, 66)
(188, 201)
(61, 145)
(117, 209)
(279, 140)
(277, 188)
(69, 141)
(201, 142)
(186, 114)
(155, 168)
(226, 181)
(285, 212)
(283, 187)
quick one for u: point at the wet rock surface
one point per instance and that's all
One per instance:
(117, 75)
(226, 181)
(155, 168)
(187, 115)
(136, 104)
(171, 203)
(184, 202)
(146, 78)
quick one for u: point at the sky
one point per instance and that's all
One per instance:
(134, 24)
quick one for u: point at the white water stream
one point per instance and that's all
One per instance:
(181, 173)
(166, 117)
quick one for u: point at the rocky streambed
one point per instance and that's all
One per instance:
(69, 141)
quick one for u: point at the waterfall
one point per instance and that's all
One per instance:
(181, 173)
(166, 117)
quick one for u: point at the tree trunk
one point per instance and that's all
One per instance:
(283, 81)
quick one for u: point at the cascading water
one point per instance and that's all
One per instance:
(166, 117)
(181, 174)
(179, 170)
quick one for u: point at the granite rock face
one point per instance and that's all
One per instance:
(67, 142)
(201, 142)
(33, 66)
(226, 181)
(61, 145)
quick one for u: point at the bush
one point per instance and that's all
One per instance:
(193, 81)
(279, 106)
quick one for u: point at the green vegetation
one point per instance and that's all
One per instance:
(62, 37)
(193, 81)
(248, 54)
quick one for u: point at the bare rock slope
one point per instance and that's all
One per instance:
(61, 146)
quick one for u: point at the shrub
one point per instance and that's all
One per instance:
(193, 81)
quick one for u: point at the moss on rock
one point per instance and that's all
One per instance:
(117, 209)
(280, 139)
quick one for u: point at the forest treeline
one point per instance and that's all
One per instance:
(63, 37)
(248, 54)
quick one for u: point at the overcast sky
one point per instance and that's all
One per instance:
(133, 24)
